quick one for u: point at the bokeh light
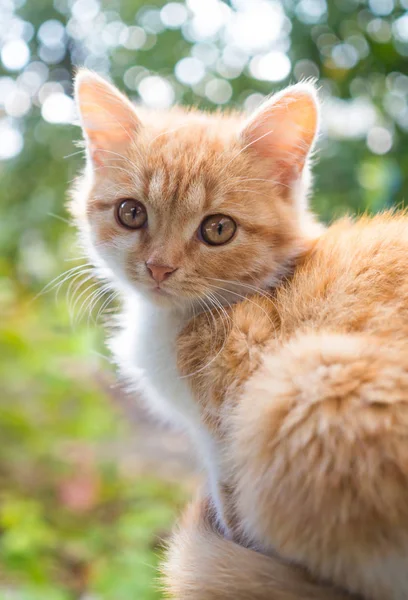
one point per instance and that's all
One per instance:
(190, 70)
(11, 140)
(156, 92)
(58, 108)
(218, 91)
(379, 140)
(274, 66)
(173, 15)
(15, 54)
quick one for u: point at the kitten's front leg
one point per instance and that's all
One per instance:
(217, 352)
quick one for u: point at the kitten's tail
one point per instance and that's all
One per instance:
(202, 565)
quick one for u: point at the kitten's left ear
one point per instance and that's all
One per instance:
(107, 117)
(283, 131)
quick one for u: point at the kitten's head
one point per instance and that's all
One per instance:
(183, 205)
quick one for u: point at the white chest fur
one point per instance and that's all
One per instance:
(145, 351)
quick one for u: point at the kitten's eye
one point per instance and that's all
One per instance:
(131, 214)
(218, 229)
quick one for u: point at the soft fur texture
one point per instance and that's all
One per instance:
(202, 565)
(296, 395)
(308, 397)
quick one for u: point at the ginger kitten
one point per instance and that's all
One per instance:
(173, 203)
(185, 212)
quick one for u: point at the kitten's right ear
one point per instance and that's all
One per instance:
(283, 131)
(108, 119)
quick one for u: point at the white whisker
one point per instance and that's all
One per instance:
(111, 297)
(75, 285)
(81, 151)
(58, 281)
(81, 295)
(245, 148)
(224, 342)
(248, 299)
(59, 218)
(96, 297)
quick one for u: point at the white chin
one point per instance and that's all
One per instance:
(160, 299)
(165, 300)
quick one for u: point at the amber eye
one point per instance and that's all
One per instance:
(131, 214)
(218, 229)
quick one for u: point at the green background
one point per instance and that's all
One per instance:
(83, 504)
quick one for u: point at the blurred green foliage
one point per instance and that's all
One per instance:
(73, 522)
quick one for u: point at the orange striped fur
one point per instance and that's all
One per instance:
(292, 372)
(309, 399)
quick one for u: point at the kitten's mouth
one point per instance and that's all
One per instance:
(158, 290)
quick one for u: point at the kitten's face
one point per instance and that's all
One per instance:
(176, 207)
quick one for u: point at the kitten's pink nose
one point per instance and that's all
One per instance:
(160, 272)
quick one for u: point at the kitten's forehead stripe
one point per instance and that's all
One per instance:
(178, 190)
(195, 197)
(156, 186)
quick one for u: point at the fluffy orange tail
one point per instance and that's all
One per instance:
(202, 565)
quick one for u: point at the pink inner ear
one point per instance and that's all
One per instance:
(283, 131)
(108, 118)
(104, 144)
